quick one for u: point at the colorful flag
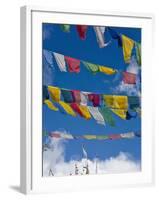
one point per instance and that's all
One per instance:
(76, 108)
(60, 60)
(50, 105)
(129, 78)
(73, 64)
(107, 70)
(91, 67)
(96, 115)
(114, 136)
(102, 137)
(127, 45)
(55, 93)
(99, 31)
(116, 102)
(65, 28)
(134, 102)
(82, 30)
(89, 137)
(120, 112)
(76, 96)
(45, 93)
(138, 52)
(84, 98)
(67, 108)
(95, 99)
(67, 95)
(85, 112)
(107, 115)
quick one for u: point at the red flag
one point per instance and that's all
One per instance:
(95, 98)
(113, 137)
(76, 96)
(73, 64)
(129, 78)
(76, 108)
(82, 29)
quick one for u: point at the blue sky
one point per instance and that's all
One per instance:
(54, 39)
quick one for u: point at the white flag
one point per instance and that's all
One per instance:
(99, 31)
(96, 115)
(60, 59)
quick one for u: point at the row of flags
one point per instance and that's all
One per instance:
(88, 105)
(68, 136)
(73, 65)
(124, 41)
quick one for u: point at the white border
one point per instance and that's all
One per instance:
(31, 81)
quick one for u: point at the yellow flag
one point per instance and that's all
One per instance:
(107, 70)
(116, 102)
(85, 112)
(50, 105)
(127, 45)
(120, 112)
(67, 108)
(90, 137)
(55, 93)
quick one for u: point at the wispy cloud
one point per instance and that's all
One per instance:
(53, 159)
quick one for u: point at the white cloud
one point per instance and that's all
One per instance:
(53, 159)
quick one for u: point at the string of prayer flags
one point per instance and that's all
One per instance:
(73, 64)
(65, 28)
(60, 60)
(127, 45)
(50, 105)
(82, 30)
(128, 135)
(138, 52)
(129, 78)
(96, 115)
(99, 31)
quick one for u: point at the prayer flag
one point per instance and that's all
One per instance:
(76, 96)
(67, 108)
(45, 93)
(107, 70)
(89, 137)
(107, 115)
(84, 152)
(50, 105)
(95, 99)
(127, 45)
(84, 98)
(120, 112)
(55, 93)
(129, 78)
(115, 36)
(82, 30)
(96, 115)
(73, 64)
(60, 60)
(99, 31)
(138, 52)
(85, 112)
(67, 96)
(65, 27)
(91, 67)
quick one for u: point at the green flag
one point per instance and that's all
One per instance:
(138, 53)
(65, 27)
(101, 137)
(107, 115)
(91, 67)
